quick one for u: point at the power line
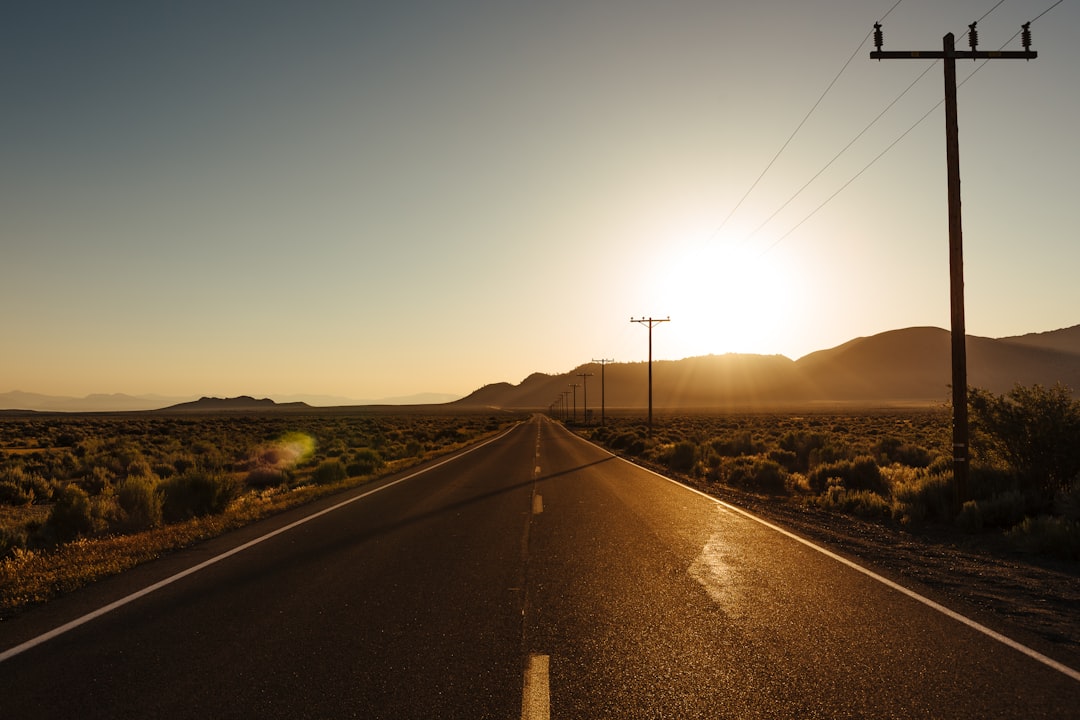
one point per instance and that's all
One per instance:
(891, 145)
(861, 133)
(799, 126)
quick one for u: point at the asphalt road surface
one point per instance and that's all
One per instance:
(534, 576)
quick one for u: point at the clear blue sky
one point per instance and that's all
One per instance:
(373, 199)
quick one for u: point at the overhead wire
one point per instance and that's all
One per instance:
(893, 143)
(863, 131)
(799, 126)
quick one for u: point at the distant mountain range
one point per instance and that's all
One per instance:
(131, 403)
(901, 367)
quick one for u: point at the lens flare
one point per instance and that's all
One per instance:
(288, 451)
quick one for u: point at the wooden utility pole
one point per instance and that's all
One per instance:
(603, 362)
(950, 54)
(575, 386)
(585, 395)
(650, 323)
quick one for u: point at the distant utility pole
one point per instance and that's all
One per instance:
(585, 395)
(603, 362)
(574, 387)
(950, 54)
(565, 405)
(650, 323)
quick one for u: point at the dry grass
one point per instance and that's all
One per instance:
(29, 577)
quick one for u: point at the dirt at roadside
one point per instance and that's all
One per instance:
(1009, 590)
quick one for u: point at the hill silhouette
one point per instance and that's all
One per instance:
(241, 403)
(899, 367)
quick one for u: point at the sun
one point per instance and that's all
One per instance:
(728, 296)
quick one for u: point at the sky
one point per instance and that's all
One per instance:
(368, 199)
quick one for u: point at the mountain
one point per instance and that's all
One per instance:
(899, 367)
(1066, 340)
(36, 402)
(243, 403)
(118, 402)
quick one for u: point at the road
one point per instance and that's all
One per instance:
(533, 576)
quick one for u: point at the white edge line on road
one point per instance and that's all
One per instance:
(57, 631)
(536, 695)
(1034, 654)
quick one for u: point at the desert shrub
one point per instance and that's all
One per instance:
(681, 456)
(1032, 429)
(329, 471)
(1045, 535)
(12, 538)
(196, 493)
(741, 443)
(71, 516)
(925, 495)
(139, 467)
(140, 502)
(96, 480)
(12, 493)
(812, 449)
(985, 481)
(894, 450)
(20, 487)
(364, 461)
(862, 473)
(863, 503)
(786, 458)
(267, 476)
(751, 473)
(1000, 511)
(622, 440)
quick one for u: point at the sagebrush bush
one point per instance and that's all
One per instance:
(753, 473)
(196, 493)
(329, 471)
(681, 456)
(741, 443)
(14, 494)
(140, 501)
(12, 538)
(1047, 535)
(364, 462)
(267, 476)
(863, 503)
(925, 495)
(862, 473)
(71, 516)
(1033, 429)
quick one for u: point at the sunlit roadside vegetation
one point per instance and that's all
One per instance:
(890, 466)
(84, 497)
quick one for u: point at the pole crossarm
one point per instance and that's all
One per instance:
(954, 55)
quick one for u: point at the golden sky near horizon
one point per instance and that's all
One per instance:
(377, 199)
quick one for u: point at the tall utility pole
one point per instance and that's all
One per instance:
(603, 362)
(950, 54)
(585, 395)
(650, 323)
(575, 386)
